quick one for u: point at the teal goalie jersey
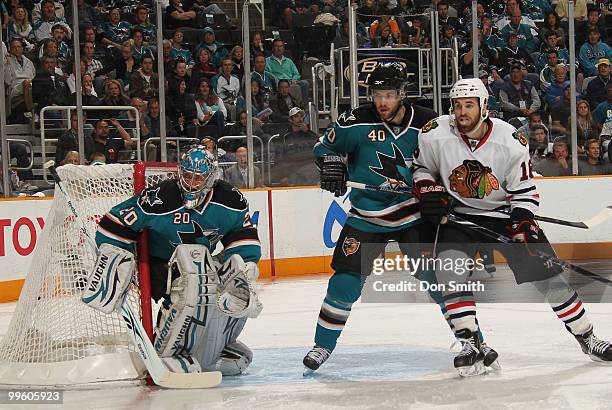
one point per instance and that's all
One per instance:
(378, 154)
(223, 217)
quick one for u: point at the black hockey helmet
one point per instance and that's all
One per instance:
(390, 76)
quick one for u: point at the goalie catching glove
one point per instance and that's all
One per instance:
(236, 295)
(110, 278)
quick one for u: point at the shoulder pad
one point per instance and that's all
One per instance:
(161, 198)
(229, 196)
(365, 114)
(422, 116)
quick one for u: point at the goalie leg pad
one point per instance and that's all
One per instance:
(191, 296)
(182, 364)
(234, 359)
(110, 278)
(236, 293)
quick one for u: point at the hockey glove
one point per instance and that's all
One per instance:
(435, 203)
(523, 228)
(334, 174)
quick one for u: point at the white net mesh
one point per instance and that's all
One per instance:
(51, 324)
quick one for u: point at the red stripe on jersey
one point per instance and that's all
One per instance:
(572, 310)
(459, 305)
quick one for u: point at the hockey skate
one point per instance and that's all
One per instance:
(314, 359)
(470, 360)
(597, 349)
(490, 357)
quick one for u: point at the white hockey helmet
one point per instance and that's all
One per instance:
(471, 87)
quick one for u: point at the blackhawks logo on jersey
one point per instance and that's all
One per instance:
(473, 180)
(520, 138)
(431, 125)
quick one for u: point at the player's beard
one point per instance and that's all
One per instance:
(466, 127)
(390, 113)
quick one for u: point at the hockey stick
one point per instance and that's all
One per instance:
(601, 216)
(543, 255)
(155, 366)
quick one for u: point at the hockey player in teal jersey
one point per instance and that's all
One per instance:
(186, 218)
(372, 144)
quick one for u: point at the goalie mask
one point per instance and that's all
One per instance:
(197, 171)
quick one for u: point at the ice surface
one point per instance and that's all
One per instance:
(390, 356)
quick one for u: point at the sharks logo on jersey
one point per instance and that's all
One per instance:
(191, 237)
(393, 168)
(151, 198)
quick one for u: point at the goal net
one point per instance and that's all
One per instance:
(54, 339)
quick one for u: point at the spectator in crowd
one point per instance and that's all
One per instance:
(536, 9)
(48, 88)
(179, 105)
(227, 87)
(87, 14)
(209, 108)
(71, 157)
(554, 93)
(535, 118)
(561, 114)
(538, 145)
(383, 27)
(236, 56)
(239, 128)
(417, 35)
(42, 28)
(178, 52)
(367, 13)
(257, 45)
(261, 109)
(127, 119)
(266, 80)
(90, 35)
(142, 23)
(203, 68)
(124, 65)
(603, 112)
(145, 82)
(552, 23)
(179, 74)
(298, 131)
(580, 9)
(115, 32)
(237, 174)
(71, 80)
(37, 11)
(592, 51)
(20, 27)
(217, 51)
(178, 16)
(491, 34)
(403, 8)
(141, 48)
(168, 61)
(448, 36)
(593, 164)
(512, 9)
(89, 95)
(382, 37)
(513, 53)
(19, 71)
(593, 21)
(552, 44)
(283, 68)
(58, 33)
(113, 96)
(445, 19)
(94, 66)
(97, 158)
(547, 75)
(518, 97)
(283, 102)
(154, 120)
(587, 127)
(69, 140)
(486, 56)
(559, 164)
(110, 144)
(492, 102)
(596, 90)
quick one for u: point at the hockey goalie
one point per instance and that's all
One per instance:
(204, 303)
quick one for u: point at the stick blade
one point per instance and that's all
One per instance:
(204, 380)
(602, 216)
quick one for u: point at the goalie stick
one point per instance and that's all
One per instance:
(155, 366)
(598, 219)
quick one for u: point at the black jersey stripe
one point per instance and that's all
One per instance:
(521, 191)
(533, 201)
(117, 229)
(240, 235)
(393, 216)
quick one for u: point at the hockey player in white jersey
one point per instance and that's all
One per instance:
(477, 166)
